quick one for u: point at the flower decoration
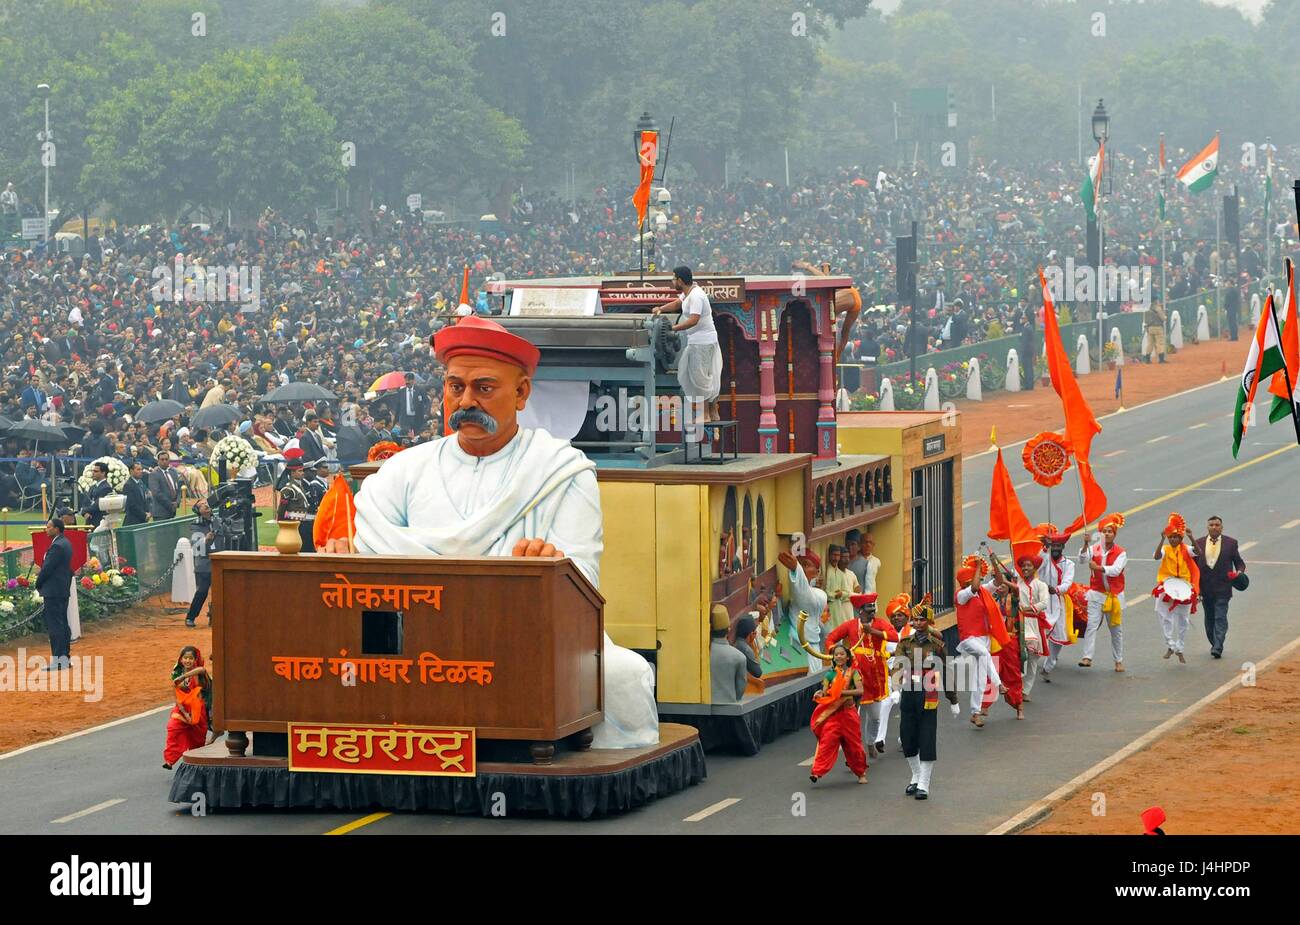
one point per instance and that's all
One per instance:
(382, 450)
(87, 583)
(23, 582)
(36, 597)
(6, 607)
(11, 583)
(118, 473)
(1047, 457)
(93, 564)
(236, 451)
(128, 570)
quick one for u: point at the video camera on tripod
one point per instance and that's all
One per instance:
(234, 515)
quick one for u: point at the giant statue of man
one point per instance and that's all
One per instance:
(493, 488)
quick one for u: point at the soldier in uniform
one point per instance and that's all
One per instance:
(294, 504)
(925, 676)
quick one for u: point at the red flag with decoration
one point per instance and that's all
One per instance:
(649, 155)
(1080, 423)
(1007, 519)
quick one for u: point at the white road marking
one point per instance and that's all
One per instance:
(1194, 489)
(84, 732)
(1199, 426)
(1136, 600)
(807, 762)
(1113, 453)
(1023, 484)
(1195, 388)
(88, 810)
(1038, 810)
(710, 810)
(1244, 546)
(969, 504)
(1291, 524)
(1158, 439)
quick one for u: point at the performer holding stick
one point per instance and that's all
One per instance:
(1106, 561)
(922, 658)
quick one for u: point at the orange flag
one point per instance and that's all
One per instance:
(336, 517)
(649, 156)
(1080, 423)
(1007, 520)
(1290, 352)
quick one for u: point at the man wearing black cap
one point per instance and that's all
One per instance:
(294, 504)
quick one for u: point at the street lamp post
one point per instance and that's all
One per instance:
(44, 137)
(1100, 134)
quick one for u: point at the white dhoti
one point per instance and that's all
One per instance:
(977, 647)
(1173, 623)
(699, 371)
(1033, 663)
(435, 499)
(1095, 619)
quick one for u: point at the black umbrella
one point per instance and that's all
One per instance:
(215, 416)
(4, 422)
(160, 410)
(352, 445)
(298, 391)
(32, 429)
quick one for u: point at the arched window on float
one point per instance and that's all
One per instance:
(760, 545)
(747, 536)
(727, 541)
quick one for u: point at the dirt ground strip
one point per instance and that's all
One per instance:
(1020, 415)
(1234, 769)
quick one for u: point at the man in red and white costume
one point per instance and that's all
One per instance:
(979, 625)
(866, 637)
(1105, 561)
(1057, 572)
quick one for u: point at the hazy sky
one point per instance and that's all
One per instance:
(1251, 8)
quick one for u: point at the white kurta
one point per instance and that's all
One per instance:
(811, 600)
(436, 499)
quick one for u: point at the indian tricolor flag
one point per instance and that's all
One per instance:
(1091, 188)
(1284, 381)
(1199, 173)
(1264, 359)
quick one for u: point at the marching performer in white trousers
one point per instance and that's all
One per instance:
(1178, 583)
(1106, 561)
(979, 624)
(1057, 573)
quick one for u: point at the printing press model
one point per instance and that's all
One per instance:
(634, 409)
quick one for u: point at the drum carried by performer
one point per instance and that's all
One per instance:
(1178, 582)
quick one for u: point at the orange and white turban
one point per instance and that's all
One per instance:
(971, 566)
(900, 602)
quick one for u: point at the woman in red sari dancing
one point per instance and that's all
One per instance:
(188, 727)
(835, 720)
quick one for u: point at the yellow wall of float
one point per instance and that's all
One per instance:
(629, 566)
(681, 594)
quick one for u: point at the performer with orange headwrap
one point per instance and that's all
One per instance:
(1106, 561)
(979, 625)
(1057, 572)
(867, 636)
(835, 718)
(1178, 583)
(1031, 603)
(898, 613)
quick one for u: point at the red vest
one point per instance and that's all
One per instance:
(1098, 581)
(973, 618)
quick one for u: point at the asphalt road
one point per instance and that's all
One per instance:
(1178, 446)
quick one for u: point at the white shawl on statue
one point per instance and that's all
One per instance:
(436, 499)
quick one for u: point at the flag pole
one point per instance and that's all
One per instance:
(1286, 373)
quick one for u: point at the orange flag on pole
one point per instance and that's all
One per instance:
(1080, 423)
(1007, 520)
(649, 155)
(464, 288)
(337, 515)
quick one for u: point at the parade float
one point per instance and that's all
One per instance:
(423, 683)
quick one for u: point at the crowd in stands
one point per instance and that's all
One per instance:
(87, 339)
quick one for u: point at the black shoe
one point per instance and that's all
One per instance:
(922, 795)
(189, 623)
(167, 766)
(813, 778)
(911, 789)
(1162, 359)
(1214, 654)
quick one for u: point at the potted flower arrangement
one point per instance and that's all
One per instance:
(118, 473)
(101, 590)
(238, 453)
(1110, 354)
(19, 600)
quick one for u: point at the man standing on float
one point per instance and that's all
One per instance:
(493, 488)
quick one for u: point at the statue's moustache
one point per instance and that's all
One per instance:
(473, 416)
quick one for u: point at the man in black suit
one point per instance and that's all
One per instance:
(137, 497)
(101, 489)
(165, 488)
(55, 585)
(312, 441)
(411, 406)
(1220, 561)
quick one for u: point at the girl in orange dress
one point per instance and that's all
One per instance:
(835, 719)
(188, 726)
